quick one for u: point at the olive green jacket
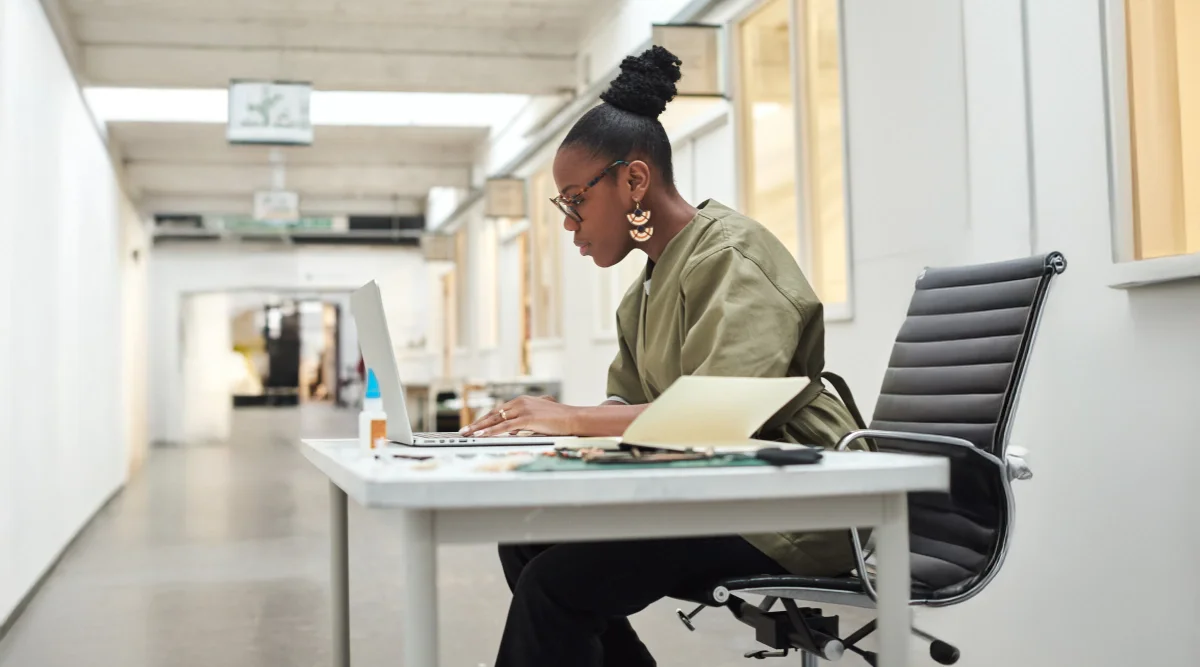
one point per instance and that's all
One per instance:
(726, 298)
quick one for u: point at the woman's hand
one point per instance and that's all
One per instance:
(542, 415)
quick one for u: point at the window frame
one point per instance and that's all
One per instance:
(487, 333)
(462, 289)
(1125, 270)
(842, 311)
(543, 221)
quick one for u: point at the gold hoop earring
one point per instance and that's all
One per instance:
(641, 231)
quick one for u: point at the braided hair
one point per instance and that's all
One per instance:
(626, 123)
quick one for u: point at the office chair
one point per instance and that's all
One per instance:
(951, 389)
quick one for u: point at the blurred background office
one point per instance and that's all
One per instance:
(189, 191)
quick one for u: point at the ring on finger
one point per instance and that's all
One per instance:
(503, 414)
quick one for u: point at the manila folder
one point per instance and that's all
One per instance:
(712, 412)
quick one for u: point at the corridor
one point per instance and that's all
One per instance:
(218, 555)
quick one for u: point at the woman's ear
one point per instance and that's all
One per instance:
(639, 179)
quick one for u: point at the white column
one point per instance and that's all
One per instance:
(207, 349)
(9, 592)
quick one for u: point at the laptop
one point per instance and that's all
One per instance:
(366, 304)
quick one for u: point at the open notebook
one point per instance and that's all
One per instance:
(704, 412)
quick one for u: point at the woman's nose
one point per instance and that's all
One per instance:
(569, 224)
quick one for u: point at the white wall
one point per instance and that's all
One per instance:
(11, 588)
(1109, 410)
(176, 272)
(940, 175)
(207, 371)
(621, 27)
(135, 260)
(907, 169)
(61, 411)
(1000, 215)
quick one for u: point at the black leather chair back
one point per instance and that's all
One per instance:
(956, 370)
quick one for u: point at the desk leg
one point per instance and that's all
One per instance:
(339, 575)
(892, 563)
(420, 589)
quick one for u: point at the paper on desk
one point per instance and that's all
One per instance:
(712, 412)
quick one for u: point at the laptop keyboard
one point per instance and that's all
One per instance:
(458, 436)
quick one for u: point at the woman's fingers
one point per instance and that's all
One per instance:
(507, 426)
(490, 419)
(499, 414)
(495, 421)
(515, 415)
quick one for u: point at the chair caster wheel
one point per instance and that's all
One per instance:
(943, 653)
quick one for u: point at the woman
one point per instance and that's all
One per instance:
(720, 296)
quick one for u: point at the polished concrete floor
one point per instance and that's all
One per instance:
(217, 556)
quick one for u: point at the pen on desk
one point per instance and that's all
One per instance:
(413, 457)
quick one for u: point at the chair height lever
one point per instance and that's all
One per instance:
(686, 619)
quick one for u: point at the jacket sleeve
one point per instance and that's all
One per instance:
(736, 321)
(624, 383)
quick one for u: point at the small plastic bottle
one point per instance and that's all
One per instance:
(372, 421)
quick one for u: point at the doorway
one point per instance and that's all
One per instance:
(291, 350)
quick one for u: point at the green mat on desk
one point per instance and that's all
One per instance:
(559, 464)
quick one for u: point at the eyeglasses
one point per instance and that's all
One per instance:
(567, 204)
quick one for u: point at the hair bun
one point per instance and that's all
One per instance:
(646, 83)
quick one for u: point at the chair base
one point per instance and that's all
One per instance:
(806, 630)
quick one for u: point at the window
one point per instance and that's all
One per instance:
(488, 283)
(545, 259)
(462, 300)
(449, 325)
(1162, 39)
(791, 121)
(769, 121)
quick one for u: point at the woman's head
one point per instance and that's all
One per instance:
(618, 154)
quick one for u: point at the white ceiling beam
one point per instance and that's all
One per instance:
(60, 23)
(417, 13)
(355, 37)
(158, 202)
(213, 68)
(362, 145)
(433, 155)
(342, 181)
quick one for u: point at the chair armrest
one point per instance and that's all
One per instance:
(925, 438)
(1016, 464)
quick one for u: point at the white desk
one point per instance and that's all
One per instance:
(455, 504)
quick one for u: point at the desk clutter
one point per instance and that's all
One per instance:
(566, 458)
(636, 457)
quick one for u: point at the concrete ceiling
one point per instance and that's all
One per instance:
(190, 168)
(524, 47)
(486, 46)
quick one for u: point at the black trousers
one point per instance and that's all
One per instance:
(571, 601)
